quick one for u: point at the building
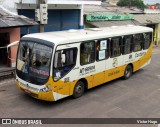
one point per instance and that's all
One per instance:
(153, 21)
(108, 15)
(62, 14)
(151, 18)
(10, 25)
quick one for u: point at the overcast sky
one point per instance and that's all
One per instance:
(151, 1)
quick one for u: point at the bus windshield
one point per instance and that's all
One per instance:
(33, 62)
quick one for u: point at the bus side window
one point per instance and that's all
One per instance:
(102, 49)
(116, 46)
(147, 40)
(61, 68)
(127, 44)
(138, 42)
(87, 52)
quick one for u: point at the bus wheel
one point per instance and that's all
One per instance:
(78, 89)
(128, 72)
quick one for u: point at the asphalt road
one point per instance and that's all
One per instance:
(137, 97)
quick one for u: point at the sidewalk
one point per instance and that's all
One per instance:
(6, 71)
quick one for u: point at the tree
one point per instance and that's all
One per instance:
(136, 3)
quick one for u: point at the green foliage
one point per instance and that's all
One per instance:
(135, 3)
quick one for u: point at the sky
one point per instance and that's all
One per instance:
(151, 1)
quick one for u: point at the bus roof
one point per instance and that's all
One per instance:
(64, 37)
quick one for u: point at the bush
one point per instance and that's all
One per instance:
(136, 3)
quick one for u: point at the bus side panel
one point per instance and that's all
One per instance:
(142, 60)
(119, 66)
(115, 68)
(47, 95)
(114, 73)
(60, 89)
(146, 57)
(99, 76)
(109, 75)
(89, 83)
(109, 70)
(136, 65)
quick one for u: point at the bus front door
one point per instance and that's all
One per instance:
(64, 62)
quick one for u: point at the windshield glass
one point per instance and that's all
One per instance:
(33, 62)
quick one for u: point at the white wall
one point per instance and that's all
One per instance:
(65, 1)
(151, 1)
(150, 11)
(11, 4)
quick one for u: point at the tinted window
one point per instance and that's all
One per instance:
(138, 41)
(147, 40)
(87, 52)
(127, 44)
(63, 65)
(116, 46)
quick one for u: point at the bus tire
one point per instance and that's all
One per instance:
(128, 72)
(78, 90)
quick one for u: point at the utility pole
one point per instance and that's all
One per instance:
(41, 13)
(129, 3)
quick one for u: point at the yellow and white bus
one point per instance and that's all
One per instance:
(53, 65)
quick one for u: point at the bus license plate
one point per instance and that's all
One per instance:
(27, 91)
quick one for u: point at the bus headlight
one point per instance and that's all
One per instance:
(45, 89)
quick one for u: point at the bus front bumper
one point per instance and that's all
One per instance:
(46, 96)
